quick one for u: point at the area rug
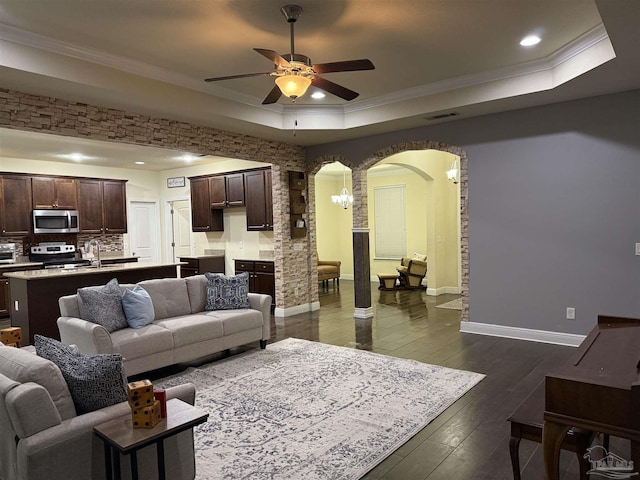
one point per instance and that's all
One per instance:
(302, 410)
(452, 305)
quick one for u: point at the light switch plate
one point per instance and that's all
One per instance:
(638, 248)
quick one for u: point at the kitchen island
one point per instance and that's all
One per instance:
(35, 293)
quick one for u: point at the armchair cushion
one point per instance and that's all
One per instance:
(22, 366)
(95, 381)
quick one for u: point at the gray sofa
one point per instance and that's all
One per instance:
(41, 436)
(182, 330)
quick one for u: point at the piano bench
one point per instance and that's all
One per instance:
(527, 422)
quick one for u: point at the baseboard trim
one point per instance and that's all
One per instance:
(518, 333)
(289, 311)
(443, 291)
(363, 312)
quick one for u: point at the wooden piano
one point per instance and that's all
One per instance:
(597, 390)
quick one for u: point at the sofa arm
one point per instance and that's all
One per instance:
(90, 338)
(31, 409)
(261, 302)
(72, 450)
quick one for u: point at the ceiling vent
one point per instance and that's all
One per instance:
(443, 115)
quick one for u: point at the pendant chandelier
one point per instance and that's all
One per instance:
(344, 198)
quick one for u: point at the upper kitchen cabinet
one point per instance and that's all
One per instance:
(257, 193)
(204, 218)
(15, 205)
(54, 192)
(102, 206)
(226, 190)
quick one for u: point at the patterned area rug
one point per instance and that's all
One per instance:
(306, 410)
(452, 305)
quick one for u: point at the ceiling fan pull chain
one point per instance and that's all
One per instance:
(295, 118)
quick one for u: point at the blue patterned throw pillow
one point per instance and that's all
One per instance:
(227, 293)
(94, 381)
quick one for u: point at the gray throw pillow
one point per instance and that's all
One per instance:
(138, 307)
(94, 381)
(103, 305)
(227, 293)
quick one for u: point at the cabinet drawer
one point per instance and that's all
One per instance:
(264, 267)
(242, 266)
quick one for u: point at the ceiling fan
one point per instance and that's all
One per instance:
(294, 72)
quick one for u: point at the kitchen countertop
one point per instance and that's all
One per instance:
(27, 264)
(64, 272)
(20, 265)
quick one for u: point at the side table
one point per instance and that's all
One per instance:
(119, 436)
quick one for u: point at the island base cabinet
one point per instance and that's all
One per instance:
(34, 300)
(261, 277)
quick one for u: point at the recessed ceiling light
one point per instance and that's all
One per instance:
(318, 95)
(187, 157)
(139, 163)
(530, 40)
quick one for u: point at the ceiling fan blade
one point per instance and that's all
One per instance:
(346, 66)
(273, 97)
(275, 57)
(334, 88)
(244, 75)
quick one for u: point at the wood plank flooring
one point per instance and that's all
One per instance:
(470, 440)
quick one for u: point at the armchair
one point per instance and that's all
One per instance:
(41, 436)
(329, 270)
(412, 270)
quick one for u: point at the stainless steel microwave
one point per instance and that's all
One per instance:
(55, 221)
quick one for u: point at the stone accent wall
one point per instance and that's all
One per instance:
(35, 113)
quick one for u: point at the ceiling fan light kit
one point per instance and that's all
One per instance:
(295, 73)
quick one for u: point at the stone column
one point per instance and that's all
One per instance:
(361, 263)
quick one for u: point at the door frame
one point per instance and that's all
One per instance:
(168, 229)
(155, 226)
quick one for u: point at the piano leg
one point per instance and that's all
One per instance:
(552, 437)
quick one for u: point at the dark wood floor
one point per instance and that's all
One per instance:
(470, 440)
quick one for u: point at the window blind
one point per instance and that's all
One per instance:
(390, 222)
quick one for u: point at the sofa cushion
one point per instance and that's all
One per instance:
(197, 289)
(235, 321)
(140, 342)
(169, 296)
(190, 329)
(23, 366)
(95, 381)
(103, 305)
(138, 307)
(227, 293)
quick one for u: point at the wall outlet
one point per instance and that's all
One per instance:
(571, 313)
(638, 248)
(297, 247)
(241, 246)
(16, 306)
(296, 291)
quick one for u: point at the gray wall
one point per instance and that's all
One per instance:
(554, 209)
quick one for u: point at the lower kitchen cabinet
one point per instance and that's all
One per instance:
(5, 296)
(262, 277)
(200, 265)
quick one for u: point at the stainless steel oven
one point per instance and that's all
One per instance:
(55, 221)
(7, 253)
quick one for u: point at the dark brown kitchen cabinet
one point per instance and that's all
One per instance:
(201, 265)
(262, 278)
(203, 217)
(15, 205)
(226, 190)
(257, 193)
(54, 192)
(102, 206)
(114, 196)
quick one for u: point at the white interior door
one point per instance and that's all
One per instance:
(144, 230)
(181, 228)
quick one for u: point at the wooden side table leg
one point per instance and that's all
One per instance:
(582, 443)
(514, 450)
(552, 437)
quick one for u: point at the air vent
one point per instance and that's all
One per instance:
(443, 115)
